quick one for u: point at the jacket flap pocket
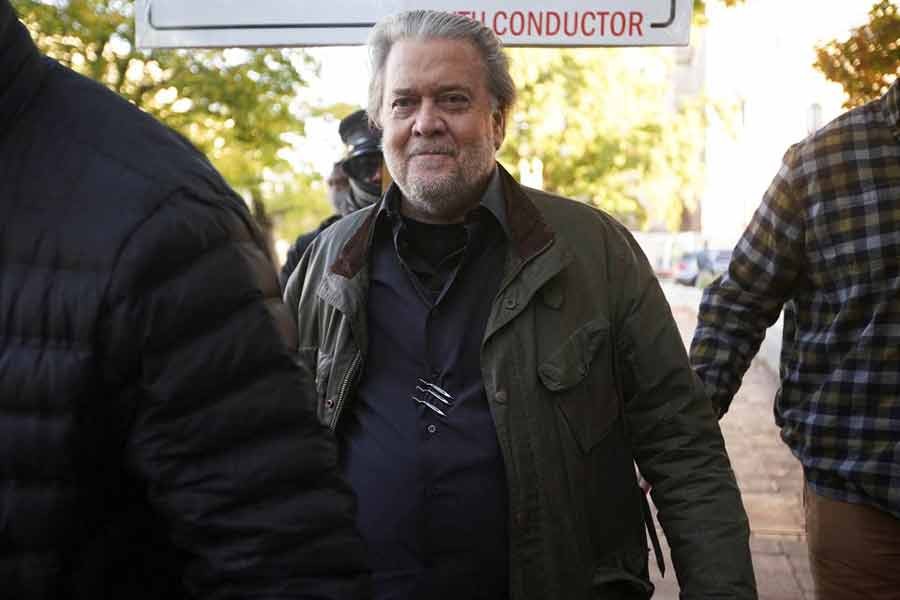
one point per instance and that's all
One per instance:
(571, 362)
(580, 377)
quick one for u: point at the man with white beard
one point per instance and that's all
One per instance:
(495, 359)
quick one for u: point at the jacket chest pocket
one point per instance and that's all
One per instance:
(579, 376)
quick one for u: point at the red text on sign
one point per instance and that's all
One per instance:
(551, 23)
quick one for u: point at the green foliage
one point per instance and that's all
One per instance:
(604, 129)
(298, 204)
(700, 9)
(235, 105)
(606, 132)
(868, 61)
(597, 119)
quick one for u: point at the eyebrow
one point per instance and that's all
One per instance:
(442, 89)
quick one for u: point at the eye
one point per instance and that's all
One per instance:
(403, 105)
(454, 101)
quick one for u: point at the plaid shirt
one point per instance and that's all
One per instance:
(825, 245)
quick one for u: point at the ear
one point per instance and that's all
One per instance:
(498, 124)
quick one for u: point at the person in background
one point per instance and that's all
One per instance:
(157, 439)
(338, 189)
(364, 162)
(824, 245)
(495, 359)
(354, 182)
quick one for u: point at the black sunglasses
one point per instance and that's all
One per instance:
(363, 167)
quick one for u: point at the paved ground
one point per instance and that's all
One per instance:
(769, 476)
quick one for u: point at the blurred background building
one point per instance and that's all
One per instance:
(758, 59)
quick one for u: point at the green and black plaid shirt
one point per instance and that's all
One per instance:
(825, 245)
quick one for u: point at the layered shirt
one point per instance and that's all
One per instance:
(824, 244)
(419, 446)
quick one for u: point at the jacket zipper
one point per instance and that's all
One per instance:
(345, 387)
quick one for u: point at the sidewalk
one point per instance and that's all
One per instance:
(770, 479)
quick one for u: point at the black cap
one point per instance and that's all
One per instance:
(359, 137)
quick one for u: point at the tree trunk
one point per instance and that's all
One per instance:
(691, 218)
(264, 221)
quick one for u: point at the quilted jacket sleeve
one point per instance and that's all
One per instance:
(223, 433)
(677, 444)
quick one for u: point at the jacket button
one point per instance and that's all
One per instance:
(500, 396)
(329, 403)
(509, 303)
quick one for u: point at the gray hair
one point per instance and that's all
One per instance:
(431, 24)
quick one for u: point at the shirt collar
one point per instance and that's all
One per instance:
(21, 66)
(492, 199)
(529, 233)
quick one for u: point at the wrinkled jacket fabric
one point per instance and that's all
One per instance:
(156, 437)
(299, 247)
(584, 371)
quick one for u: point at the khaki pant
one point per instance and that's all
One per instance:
(854, 550)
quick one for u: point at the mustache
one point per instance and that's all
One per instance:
(432, 149)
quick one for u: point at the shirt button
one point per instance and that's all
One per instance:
(500, 397)
(329, 403)
(431, 428)
(521, 518)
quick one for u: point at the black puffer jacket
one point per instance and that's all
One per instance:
(157, 439)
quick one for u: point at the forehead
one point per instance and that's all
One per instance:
(423, 65)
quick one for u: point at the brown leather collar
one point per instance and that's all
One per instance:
(353, 255)
(527, 228)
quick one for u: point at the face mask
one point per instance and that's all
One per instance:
(360, 196)
(342, 201)
(365, 171)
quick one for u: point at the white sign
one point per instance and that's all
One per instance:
(253, 23)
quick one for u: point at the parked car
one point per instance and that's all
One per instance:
(686, 269)
(701, 267)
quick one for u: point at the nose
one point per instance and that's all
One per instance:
(429, 120)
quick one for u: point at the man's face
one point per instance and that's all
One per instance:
(440, 130)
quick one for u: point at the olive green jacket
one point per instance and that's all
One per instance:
(586, 374)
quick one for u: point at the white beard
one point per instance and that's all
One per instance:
(447, 196)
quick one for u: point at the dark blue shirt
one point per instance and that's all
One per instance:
(431, 487)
